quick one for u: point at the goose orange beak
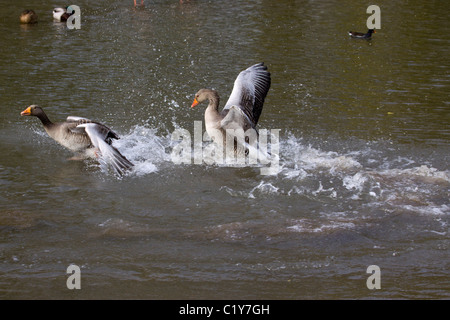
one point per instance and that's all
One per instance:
(26, 112)
(194, 103)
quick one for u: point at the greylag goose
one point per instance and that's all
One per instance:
(244, 105)
(61, 14)
(360, 35)
(84, 137)
(28, 17)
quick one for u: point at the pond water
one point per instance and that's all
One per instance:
(363, 176)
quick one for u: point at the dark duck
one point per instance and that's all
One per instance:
(360, 35)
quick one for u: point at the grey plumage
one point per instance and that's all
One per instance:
(245, 103)
(249, 91)
(242, 110)
(84, 137)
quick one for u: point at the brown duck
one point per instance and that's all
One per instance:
(28, 17)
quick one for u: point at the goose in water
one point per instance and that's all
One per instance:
(87, 138)
(28, 17)
(244, 105)
(61, 14)
(360, 35)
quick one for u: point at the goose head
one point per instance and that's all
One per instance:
(203, 95)
(32, 110)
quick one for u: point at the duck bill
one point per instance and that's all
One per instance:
(194, 103)
(26, 112)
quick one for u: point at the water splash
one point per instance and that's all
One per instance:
(320, 175)
(145, 149)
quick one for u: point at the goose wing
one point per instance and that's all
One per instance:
(100, 139)
(249, 91)
(73, 123)
(76, 119)
(234, 119)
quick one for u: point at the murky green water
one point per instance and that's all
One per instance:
(364, 153)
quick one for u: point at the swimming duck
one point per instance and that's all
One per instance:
(360, 35)
(28, 16)
(61, 14)
(244, 106)
(87, 138)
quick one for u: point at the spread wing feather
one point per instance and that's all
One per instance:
(100, 139)
(249, 91)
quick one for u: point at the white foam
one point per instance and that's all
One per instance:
(423, 172)
(144, 148)
(312, 172)
(309, 226)
(299, 161)
(264, 188)
(428, 210)
(355, 182)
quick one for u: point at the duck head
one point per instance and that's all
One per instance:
(58, 12)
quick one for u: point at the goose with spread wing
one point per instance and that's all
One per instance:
(244, 106)
(87, 138)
